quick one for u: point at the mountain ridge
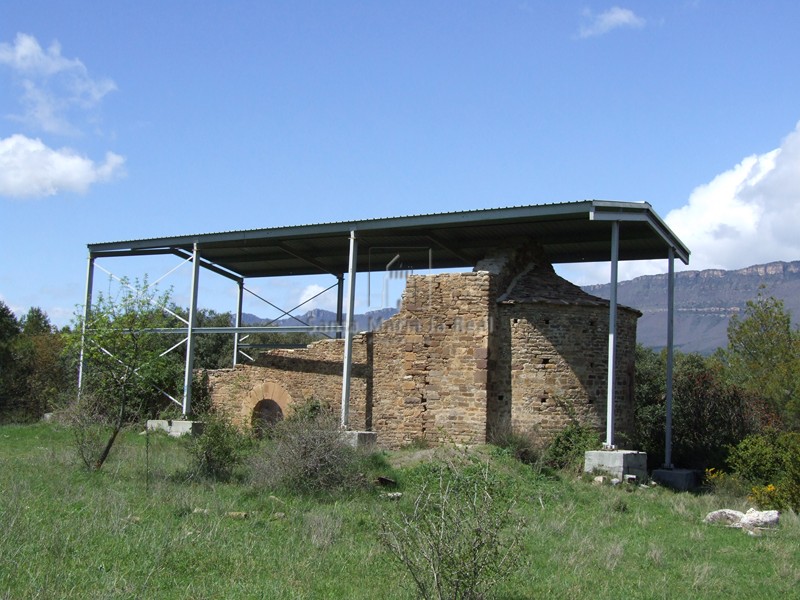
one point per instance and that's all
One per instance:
(705, 301)
(367, 321)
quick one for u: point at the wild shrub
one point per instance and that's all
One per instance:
(566, 451)
(771, 463)
(308, 454)
(726, 486)
(219, 450)
(525, 446)
(460, 536)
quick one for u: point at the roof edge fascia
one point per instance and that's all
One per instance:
(604, 210)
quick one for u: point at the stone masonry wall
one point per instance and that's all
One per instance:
(430, 362)
(551, 368)
(295, 375)
(508, 345)
(422, 375)
(549, 351)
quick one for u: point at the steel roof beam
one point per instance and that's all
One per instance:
(207, 264)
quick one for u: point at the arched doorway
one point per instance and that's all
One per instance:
(266, 414)
(265, 406)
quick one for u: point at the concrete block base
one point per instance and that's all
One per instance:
(617, 463)
(683, 480)
(361, 439)
(175, 428)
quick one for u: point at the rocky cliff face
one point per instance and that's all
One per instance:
(704, 301)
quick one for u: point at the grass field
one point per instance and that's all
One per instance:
(142, 529)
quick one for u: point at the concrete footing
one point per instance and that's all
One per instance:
(175, 428)
(361, 439)
(683, 480)
(617, 463)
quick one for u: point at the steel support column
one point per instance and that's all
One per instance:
(347, 367)
(238, 322)
(87, 309)
(187, 375)
(612, 336)
(339, 302)
(670, 342)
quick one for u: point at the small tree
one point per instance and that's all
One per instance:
(126, 372)
(763, 356)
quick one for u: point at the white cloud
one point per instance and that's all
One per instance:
(325, 301)
(27, 56)
(52, 84)
(745, 216)
(30, 169)
(613, 18)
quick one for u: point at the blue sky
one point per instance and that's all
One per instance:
(125, 120)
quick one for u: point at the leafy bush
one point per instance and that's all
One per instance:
(459, 538)
(759, 458)
(308, 454)
(726, 486)
(708, 414)
(771, 463)
(219, 450)
(567, 449)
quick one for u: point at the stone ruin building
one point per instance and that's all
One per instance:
(509, 345)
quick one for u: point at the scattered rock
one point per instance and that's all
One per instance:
(385, 481)
(725, 516)
(760, 518)
(599, 480)
(237, 515)
(753, 522)
(201, 511)
(616, 481)
(393, 495)
(278, 515)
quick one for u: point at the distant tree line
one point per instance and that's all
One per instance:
(34, 371)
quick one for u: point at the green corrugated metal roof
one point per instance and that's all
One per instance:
(569, 232)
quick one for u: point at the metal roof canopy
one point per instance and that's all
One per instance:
(586, 231)
(569, 232)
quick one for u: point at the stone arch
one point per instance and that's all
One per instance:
(267, 403)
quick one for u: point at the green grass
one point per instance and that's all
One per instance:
(132, 532)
